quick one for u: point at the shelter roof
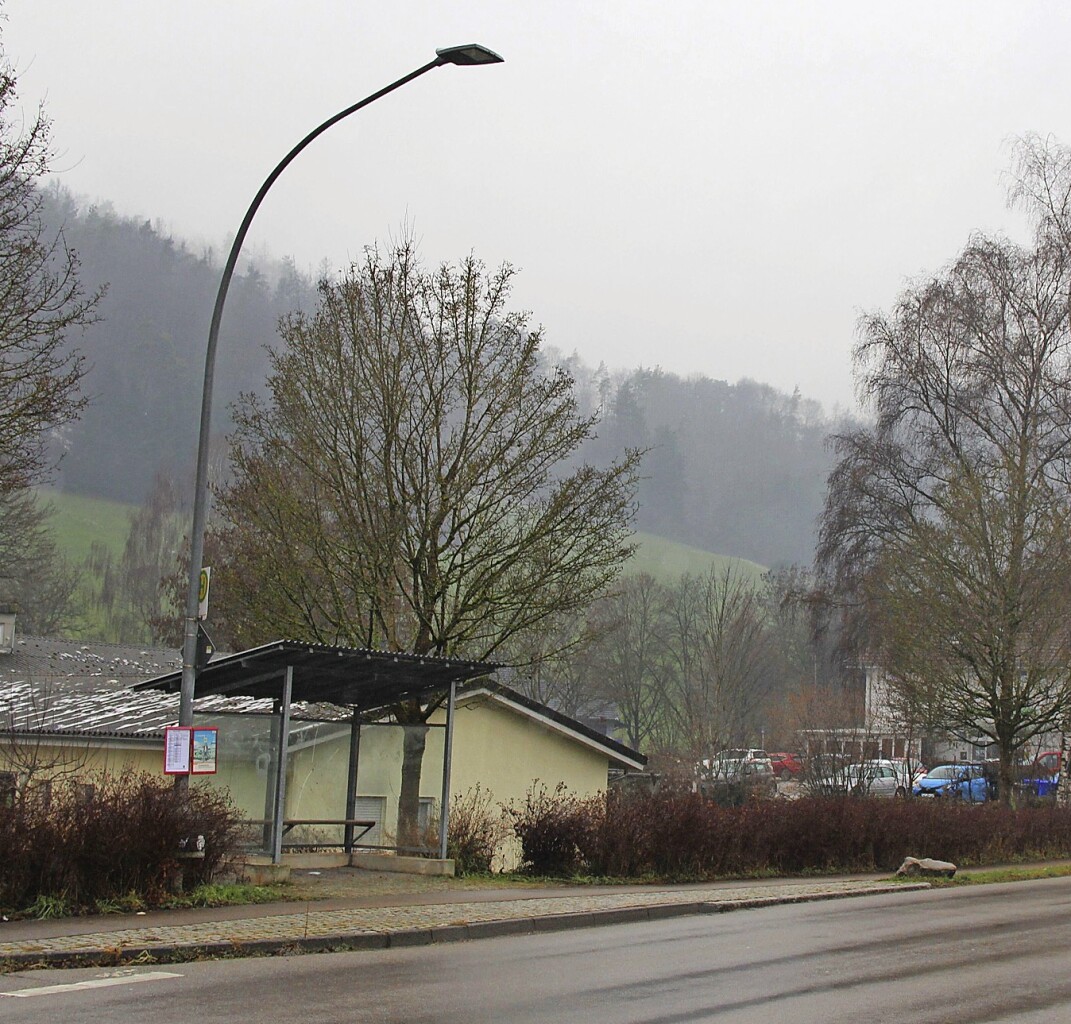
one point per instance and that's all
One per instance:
(344, 676)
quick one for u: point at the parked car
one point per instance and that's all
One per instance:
(1045, 765)
(736, 781)
(786, 766)
(729, 763)
(742, 754)
(909, 771)
(1046, 786)
(1042, 776)
(737, 774)
(869, 778)
(955, 781)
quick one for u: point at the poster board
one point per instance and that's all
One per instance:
(204, 751)
(178, 747)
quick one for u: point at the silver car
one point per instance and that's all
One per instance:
(866, 779)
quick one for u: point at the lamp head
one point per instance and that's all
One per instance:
(470, 53)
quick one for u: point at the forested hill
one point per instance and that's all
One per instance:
(737, 469)
(146, 353)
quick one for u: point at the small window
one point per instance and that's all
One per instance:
(371, 808)
(424, 814)
(84, 792)
(8, 784)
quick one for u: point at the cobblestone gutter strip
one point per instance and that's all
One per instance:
(393, 927)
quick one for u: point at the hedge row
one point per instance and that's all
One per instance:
(679, 834)
(120, 835)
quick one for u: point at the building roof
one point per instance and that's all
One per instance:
(83, 665)
(77, 688)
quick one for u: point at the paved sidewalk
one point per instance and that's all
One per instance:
(389, 922)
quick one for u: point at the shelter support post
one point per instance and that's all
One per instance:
(351, 779)
(272, 775)
(279, 810)
(448, 755)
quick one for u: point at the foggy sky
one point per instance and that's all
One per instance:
(710, 187)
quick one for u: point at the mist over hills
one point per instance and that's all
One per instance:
(738, 469)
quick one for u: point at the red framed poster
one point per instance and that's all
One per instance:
(178, 748)
(204, 751)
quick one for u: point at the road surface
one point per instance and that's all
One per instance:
(962, 956)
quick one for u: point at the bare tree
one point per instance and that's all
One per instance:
(33, 575)
(719, 650)
(1040, 183)
(553, 664)
(135, 590)
(628, 661)
(946, 523)
(403, 485)
(41, 301)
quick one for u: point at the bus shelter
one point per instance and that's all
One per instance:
(361, 682)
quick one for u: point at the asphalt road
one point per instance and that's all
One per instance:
(963, 956)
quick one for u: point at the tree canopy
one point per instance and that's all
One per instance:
(946, 521)
(402, 487)
(41, 302)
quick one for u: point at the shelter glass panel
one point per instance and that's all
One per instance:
(317, 774)
(379, 777)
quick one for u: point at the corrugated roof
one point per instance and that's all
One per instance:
(57, 709)
(354, 677)
(76, 688)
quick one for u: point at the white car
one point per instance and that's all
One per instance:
(871, 778)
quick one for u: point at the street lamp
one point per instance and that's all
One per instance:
(470, 54)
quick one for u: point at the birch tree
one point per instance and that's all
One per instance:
(947, 521)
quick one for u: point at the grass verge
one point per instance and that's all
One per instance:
(989, 876)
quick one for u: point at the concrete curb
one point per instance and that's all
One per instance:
(350, 941)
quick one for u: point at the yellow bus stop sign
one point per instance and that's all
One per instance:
(202, 592)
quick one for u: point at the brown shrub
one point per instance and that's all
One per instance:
(119, 836)
(675, 833)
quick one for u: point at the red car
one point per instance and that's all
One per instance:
(1045, 765)
(786, 766)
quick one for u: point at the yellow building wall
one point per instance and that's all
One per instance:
(507, 753)
(503, 751)
(75, 759)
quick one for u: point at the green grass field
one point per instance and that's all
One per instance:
(79, 521)
(667, 561)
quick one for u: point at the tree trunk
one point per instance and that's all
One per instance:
(1006, 780)
(413, 743)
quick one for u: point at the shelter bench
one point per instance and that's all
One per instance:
(364, 824)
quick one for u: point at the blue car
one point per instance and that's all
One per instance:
(954, 781)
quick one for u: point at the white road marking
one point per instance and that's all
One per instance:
(78, 986)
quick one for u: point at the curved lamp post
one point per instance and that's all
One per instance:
(470, 54)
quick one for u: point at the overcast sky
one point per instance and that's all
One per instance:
(710, 187)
